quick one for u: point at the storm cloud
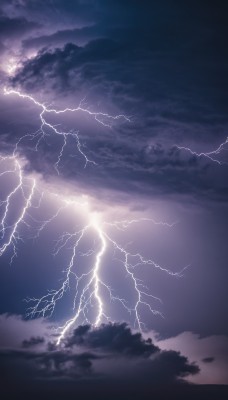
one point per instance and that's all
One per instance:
(100, 353)
(161, 69)
(171, 86)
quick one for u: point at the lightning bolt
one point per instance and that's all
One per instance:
(90, 289)
(211, 155)
(9, 231)
(102, 118)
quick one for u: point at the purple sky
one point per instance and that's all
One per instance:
(162, 69)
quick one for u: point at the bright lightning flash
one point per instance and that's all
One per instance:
(9, 233)
(102, 118)
(89, 301)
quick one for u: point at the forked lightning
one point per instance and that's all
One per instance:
(88, 286)
(102, 118)
(89, 301)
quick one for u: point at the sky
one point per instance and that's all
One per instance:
(113, 194)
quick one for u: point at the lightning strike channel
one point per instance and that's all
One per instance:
(13, 236)
(89, 304)
(91, 289)
(102, 118)
(210, 155)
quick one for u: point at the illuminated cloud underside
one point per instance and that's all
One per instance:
(88, 286)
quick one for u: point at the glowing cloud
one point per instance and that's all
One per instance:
(89, 301)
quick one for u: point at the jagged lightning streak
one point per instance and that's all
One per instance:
(95, 282)
(90, 289)
(211, 155)
(122, 225)
(89, 285)
(102, 118)
(91, 294)
(12, 228)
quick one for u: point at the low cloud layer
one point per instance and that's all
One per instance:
(107, 361)
(109, 352)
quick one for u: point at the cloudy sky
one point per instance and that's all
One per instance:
(135, 167)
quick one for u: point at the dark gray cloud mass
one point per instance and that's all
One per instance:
(95, 363)
(14, 27)
(101, 353)
(131, 58)
(32, 342)
(111, 354)
(208, 359)
(114, 338)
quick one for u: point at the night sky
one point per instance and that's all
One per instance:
(142, 162)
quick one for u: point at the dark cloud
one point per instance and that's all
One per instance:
(148, 362)
(111, 354)
(154, 50)
(208, 359)
(60, 38)
(172, 85)
(101, 353)
(209, 352)
(167, 367)
(33, 342)
(114, 338)
(22, 365)
(11, 28)
(67, 68)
